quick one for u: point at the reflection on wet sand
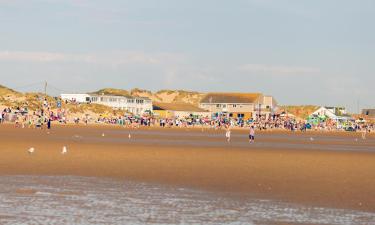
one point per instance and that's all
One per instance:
(83, 200)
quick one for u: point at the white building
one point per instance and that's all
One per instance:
(134, 105)
(334, 113)
(269, 103)
(79, 98)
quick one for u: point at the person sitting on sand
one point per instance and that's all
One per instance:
(38, 123)
(252, 134)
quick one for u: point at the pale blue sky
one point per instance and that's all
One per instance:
(301, 52)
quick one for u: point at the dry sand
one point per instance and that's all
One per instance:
(329, 178)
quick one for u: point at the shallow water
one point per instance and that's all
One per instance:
(84, 200)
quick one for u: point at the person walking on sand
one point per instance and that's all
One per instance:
(228, 133)
(252, 134)
(364, 131)
(49, 123)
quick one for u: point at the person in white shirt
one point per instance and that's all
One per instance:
(228, 133)
(252, 134)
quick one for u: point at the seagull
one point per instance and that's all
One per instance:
(356, 139)
(64, 150)
(311, 139)
(103, 135)
(31, 150)
(77, 137)
(130, 136)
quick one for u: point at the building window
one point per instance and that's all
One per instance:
(218, 106)
(234, 106)
(224, 106)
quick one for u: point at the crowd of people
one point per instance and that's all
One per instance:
(44, 116)
(40, 118)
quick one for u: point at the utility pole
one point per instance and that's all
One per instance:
(45, 88)
(45, 95)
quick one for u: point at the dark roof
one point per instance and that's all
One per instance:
(231, 98)
(177, 107)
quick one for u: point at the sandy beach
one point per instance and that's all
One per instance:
(318, 176)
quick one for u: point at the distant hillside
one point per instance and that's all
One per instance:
(301, 111)
(144, 93)
(7, 91)
(180, 96)
(112, 91)
(164, 96)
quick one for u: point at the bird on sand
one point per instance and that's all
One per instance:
(64, 150)
(31, 150)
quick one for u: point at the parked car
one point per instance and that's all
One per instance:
(349, 129)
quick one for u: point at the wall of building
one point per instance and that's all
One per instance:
(269, 103)
(369, 113)
(232, 107)
(182, 114)
(80, 98)
(163, 113)
(179, 114)
(241, 115)
(136, 106)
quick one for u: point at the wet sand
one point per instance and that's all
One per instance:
(334, 170)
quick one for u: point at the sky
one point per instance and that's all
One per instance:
(319, 52)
